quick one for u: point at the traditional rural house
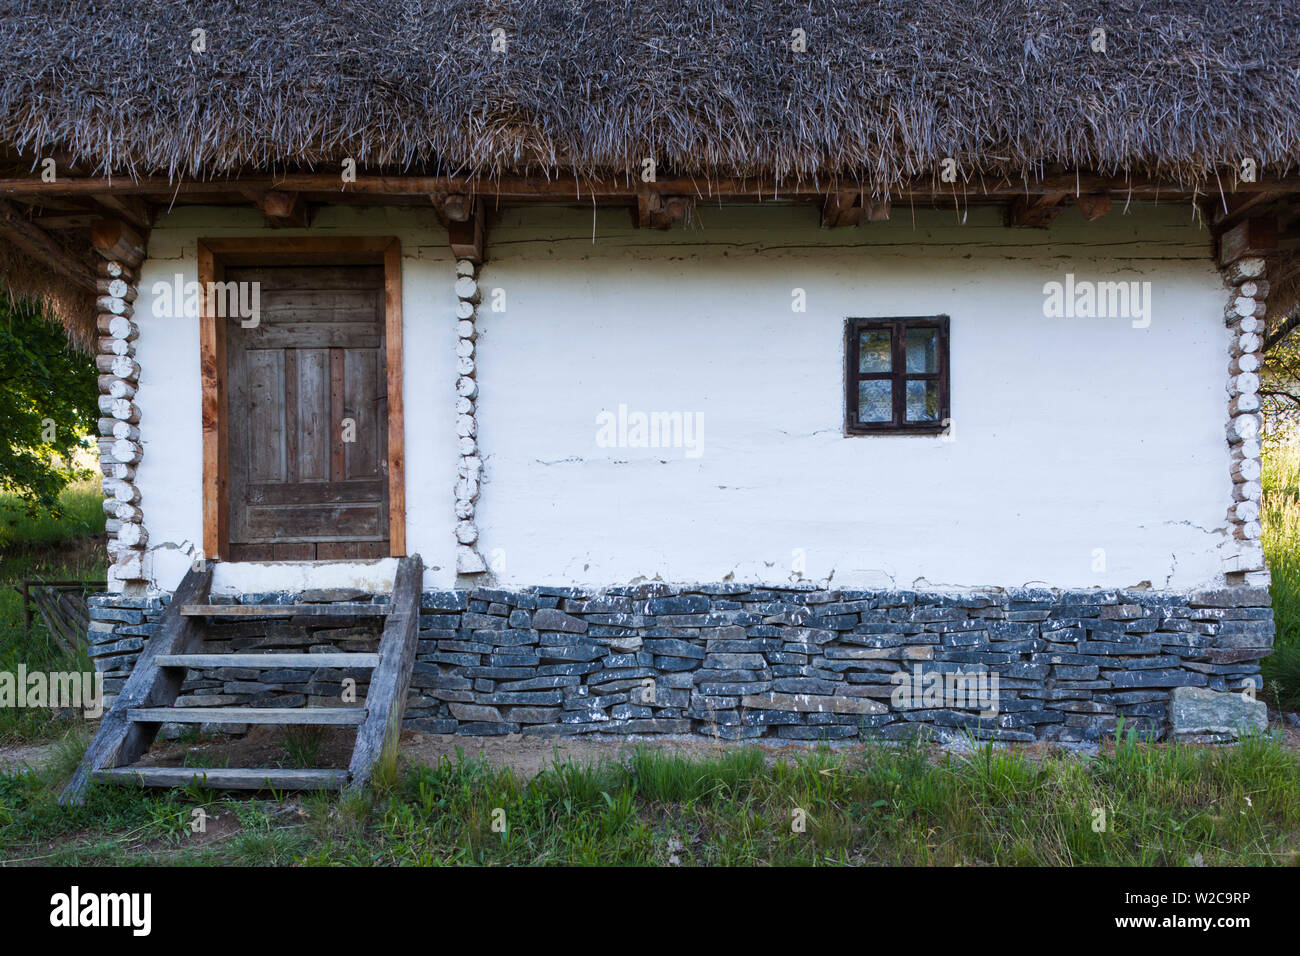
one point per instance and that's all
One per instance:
(810, 371)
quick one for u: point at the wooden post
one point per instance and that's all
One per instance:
(116, 294)
(378, 734)
(1244, 273)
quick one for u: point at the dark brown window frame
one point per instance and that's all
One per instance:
(898, 375)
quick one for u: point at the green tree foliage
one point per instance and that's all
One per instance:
(48, 404)
(1279, 387)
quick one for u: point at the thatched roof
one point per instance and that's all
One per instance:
(885, 89)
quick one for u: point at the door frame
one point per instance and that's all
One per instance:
(213, 257)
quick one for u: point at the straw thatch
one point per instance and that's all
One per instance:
(711, 88)
(885, 89)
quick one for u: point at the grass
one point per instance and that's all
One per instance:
(44, 547)
(1136, 805)
(1280, 518)
(302, 744)
(80, 515)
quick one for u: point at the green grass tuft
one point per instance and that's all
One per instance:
(1280, 517)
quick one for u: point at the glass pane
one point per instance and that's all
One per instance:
(923, 401)
(875, 402)
(923, 350)
(874, 351)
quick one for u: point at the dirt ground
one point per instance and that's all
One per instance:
(21, 756)
(526, 756)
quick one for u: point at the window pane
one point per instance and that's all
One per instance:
(874, 352)
(923, 350)
(875, 401)
(922, 401)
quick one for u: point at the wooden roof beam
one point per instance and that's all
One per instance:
(1242, 208)
(133, 209)
(38, 244)
(1035, 212)
(510, 188)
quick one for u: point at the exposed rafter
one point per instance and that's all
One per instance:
(37, 243)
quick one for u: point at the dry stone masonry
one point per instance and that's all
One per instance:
(470, 466)
(737, 661)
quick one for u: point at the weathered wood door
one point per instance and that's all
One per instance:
(307, 416)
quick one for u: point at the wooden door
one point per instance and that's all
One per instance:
(307, 416)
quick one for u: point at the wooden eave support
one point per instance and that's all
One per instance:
(654, 210)
(1241, 208)
(283, 210)
(841, 209)
(851, 208)
(38, 244)
(119, 241)
(465, 235)
(1251, 237)
(1035, 212)
(1093, 205)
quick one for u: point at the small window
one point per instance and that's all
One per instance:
(896, 375)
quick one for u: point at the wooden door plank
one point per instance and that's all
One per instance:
(396, 427)
(119, 739)
(337, 415)
(386, 698)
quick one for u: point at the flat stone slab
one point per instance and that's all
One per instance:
(814, 704)
(1195, 710)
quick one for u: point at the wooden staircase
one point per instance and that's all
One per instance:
(147, 699)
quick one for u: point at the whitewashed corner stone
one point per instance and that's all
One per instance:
(468, 561)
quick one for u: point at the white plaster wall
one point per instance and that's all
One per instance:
(170, 474)
(1071, 435)
(1075, 439)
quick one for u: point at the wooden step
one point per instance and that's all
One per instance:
(286, 610)
(343, 716)
(225, 778)
(302, 661)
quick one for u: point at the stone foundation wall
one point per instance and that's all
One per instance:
(739, 662)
